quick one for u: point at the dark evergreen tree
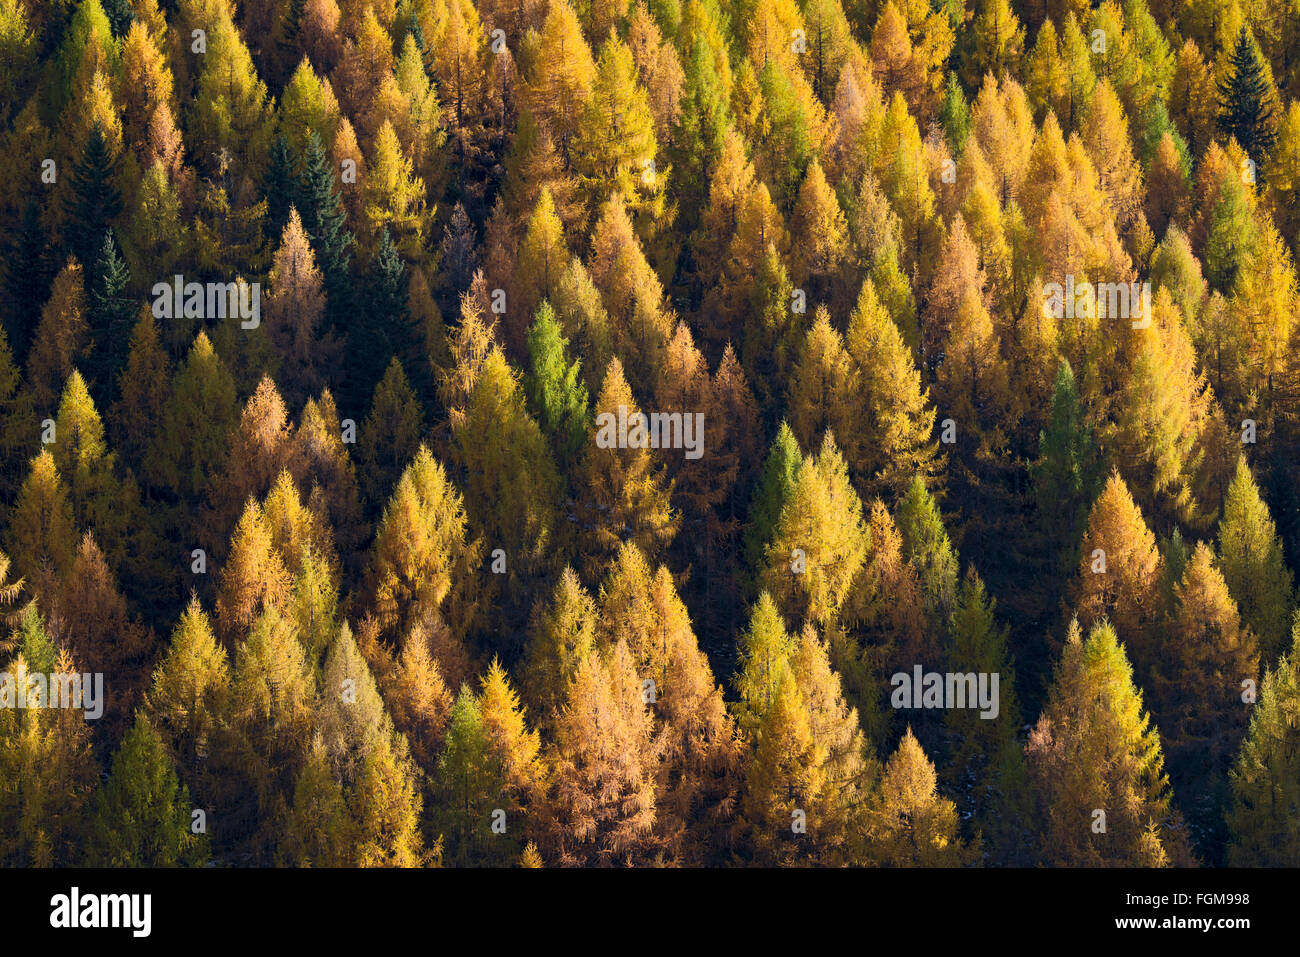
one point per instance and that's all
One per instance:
(110, 313)
(288, 41)
(325, 220)
(120, 16)
(1249, 113)
(93, 201)
(278, 186)
(384, 331)
(28, 273)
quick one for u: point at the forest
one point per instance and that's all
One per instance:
(694, 433)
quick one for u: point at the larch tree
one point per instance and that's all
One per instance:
(928, 549)
(323, 457)
(1284, 176)
(911, 824)
(1105, 134)
(385, 806)
(887, 629)
(997, 42)
(600, 808)
(1046, 81)
(1207, 667)
(143, 390)
(142, 813)
(190, 444)
(820, 541)
(512, 487)
(615, 146)
(423, 556)
(513, 751)
(1250, 557)
(390, 435)
(148, 84)
(775, 480)
(259, 448)
(699, 775)
(418, 698)
(467, 789)
(1096, 765)
(1168, 186)
(1118, 571)
(100, 500)
(543, 256)
(562, 634)
(253, 577)
(90, 618)
(632, 293)
(463, 75)
(351, 721)
(892, 404)
(1162, 412)
(660, 70)
(823, 387)
(294, 314)
(394, 197)
(557, 395)
(47, 769)
(186, 700)
(317, 825)
(809, 773)
(273, 697)
(565, 77)
(1265, 795)
(41, 534)
(61, 337)
(622, 495)
(232, 110)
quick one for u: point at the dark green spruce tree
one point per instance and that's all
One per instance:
(120, 16)
(1249, 112)
(28, 273)
(110, 312)
(384, 330)
(278, 186)
(325, 220)
(93, 201)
